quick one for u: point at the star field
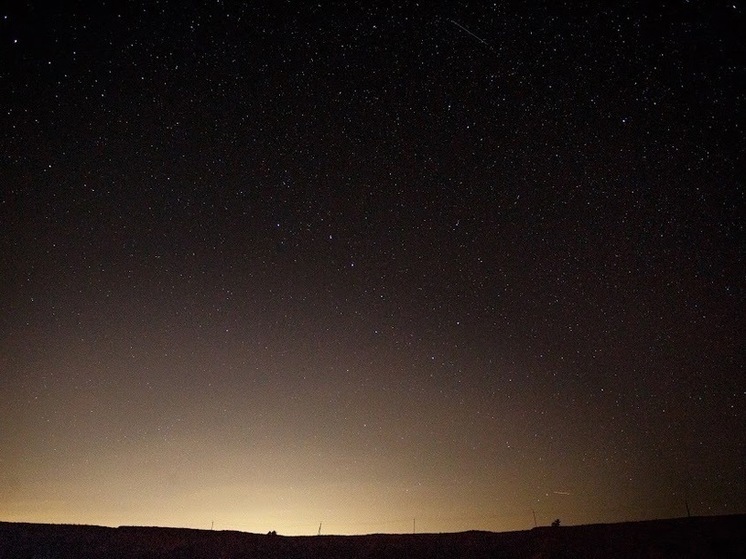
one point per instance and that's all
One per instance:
(274, 264)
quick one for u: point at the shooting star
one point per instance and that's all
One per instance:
(457, 24)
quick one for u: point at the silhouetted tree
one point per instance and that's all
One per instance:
(556, 523)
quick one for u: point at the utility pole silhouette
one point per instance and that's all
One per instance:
(534, 513)
(319, 528)
(212, 524)
(414, 525)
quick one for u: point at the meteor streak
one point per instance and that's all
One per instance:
(457, 24)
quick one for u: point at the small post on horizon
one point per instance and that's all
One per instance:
(414, 525)
(320, 523)
(212, 524)
(534, 513)
(686, 504)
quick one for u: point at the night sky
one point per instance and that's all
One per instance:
(274, 264)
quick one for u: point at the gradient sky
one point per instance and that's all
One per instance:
(277, 264)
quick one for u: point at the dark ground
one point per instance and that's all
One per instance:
(722, 536)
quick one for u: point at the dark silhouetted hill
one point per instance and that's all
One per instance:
(701, 537)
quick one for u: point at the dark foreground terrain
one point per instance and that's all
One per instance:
(723, 536)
